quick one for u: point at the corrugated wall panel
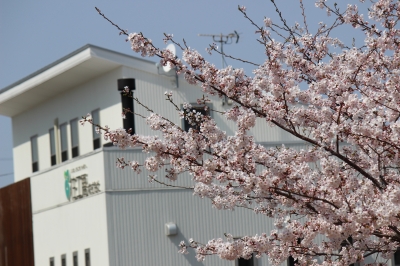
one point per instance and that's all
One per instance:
(118, 179)
(136, 218)
(136, 227)
(150, 90)
(292, 145)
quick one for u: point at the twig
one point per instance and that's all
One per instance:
(168, 185)
(304, 15)
(124, 32)
(234, 58)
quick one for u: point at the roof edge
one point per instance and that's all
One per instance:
(64, 58)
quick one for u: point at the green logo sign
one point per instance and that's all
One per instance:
(67, 185)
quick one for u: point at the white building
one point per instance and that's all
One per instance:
(83, 207)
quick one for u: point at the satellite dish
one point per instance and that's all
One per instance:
(170, 47)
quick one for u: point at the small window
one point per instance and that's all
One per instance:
(74, 137)
(347, 243)
(397, 258)
(52, 261)
(35, 154)
(63, 260)
(96, 121)
(53, 158)
(197, 109)
(64, 142)
(87, 257)
(75, 258)
(243, 262)
(291, 261)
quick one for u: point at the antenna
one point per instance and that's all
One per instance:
(223, 39)
(167, 68)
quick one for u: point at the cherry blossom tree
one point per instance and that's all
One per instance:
(340, 99)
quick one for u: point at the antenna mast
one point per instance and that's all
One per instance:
(223, 39)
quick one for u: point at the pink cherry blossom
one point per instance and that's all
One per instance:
(343, 101)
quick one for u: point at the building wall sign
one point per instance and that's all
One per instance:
(76, 184)
(79, 168)
(67, 185)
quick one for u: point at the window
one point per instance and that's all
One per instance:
(35, 154)
(63, 260)
(74, 137)
(87, 257)
(291, 261)
(53, 158)
(397, 258)
(52, 261)
(75, 258)
(243, 262)
(197, 109)
(347, 243)
(96, 121)
(64, 142)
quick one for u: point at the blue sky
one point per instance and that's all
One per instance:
(34, 34)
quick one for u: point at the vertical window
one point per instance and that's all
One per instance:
(74, 137)
(194, 110)
(64, 142)
(63, 260)
(348, 243)
(87, 257)
(397, 258)
(35, 154)
(291, 261)
(96, 121)
(75, 258)
(53, 159)
(52, 261)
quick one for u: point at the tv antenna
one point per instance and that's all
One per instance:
(223, 39)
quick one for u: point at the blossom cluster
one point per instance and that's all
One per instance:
(345, 186)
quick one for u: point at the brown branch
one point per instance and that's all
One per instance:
(168, 185)
(121, 31)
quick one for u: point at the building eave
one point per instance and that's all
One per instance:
(76, 68)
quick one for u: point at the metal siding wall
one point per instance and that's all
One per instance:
(120, 179)
(150, 90)
(292, 145)
(136, 218)
(136, 227)
(16, 238)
